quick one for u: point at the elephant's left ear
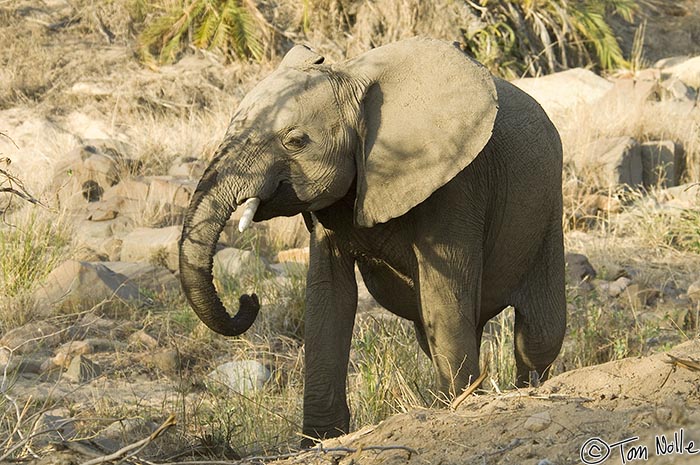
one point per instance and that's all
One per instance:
(300, 56)
(428, 111)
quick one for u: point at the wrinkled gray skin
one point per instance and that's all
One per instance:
(441, 182)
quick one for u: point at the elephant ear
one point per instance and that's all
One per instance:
(428, 110)
(301, 56)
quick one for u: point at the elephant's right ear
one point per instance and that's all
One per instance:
(300, 56)
(428, 110)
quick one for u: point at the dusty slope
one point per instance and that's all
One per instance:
(636, 397)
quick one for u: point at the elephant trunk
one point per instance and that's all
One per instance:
(210, 208)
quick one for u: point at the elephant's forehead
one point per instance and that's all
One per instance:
(284, 97)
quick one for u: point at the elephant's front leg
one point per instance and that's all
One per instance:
(331, 303)
(449, 286)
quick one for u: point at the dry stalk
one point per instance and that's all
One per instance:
(688, 364)
(135, 448)
(302, 453)
(469, 391)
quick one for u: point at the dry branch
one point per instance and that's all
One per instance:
(469, 391)
(135, 448)
(318, 450)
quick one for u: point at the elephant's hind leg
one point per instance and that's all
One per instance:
(540, 312)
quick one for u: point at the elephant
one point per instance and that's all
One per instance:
(440, 182)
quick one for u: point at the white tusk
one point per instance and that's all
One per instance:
(250, 207)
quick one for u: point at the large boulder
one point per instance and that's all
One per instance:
(79, 286)
(234, 263)
(686, 70)
(561, 92)
(662, 163)
(611, 163)
(158, 246)
(242, 376)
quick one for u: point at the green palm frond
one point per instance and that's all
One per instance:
(551, 34)
(235, 27)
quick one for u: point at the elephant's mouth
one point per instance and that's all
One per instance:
(284, 202)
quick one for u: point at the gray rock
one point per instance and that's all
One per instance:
(674, 89)
(579, 270)
(188, 167)
(287, 232)
(53, 426)
(685, 196)
(81, 369)
(241, 376)
(610, 163)
(142, 339)
(234, 263)
(561, 92)
(32, 337)
(66, 352)
(614, 288)
(662, 164)
(538, 422)
(148, 278)
(687, 71)
(166, 360)
(169, 190)
(128, 431)
(157, 246)
(75, 285)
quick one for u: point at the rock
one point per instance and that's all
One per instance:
(687, 71)
(81, 369)
(188, 167)
(287, 232)
(662, 164)
(168, 190)
(639, 89)
(674, 89)
(31, 337)
(610, 163)
(241, 376)
(538, 422)
(579, 270)
(102, 211)
(127, 431)
(84, 174)
(694, 292)
(147, 277)
(128, 197)
(75, 285)
(142, 339)
(641, 296)
(234, 263)
(55, 426)
(65, 353)
(165, 360)
(685, 196)
(560, 92)
(614, 288)
(157, 246)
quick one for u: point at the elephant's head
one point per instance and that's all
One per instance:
(397, 122)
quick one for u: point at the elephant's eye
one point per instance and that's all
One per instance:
(295, 140)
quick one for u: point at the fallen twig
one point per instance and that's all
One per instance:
(135, 448)
(469, 391)
(686, 363)
(314, 450)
